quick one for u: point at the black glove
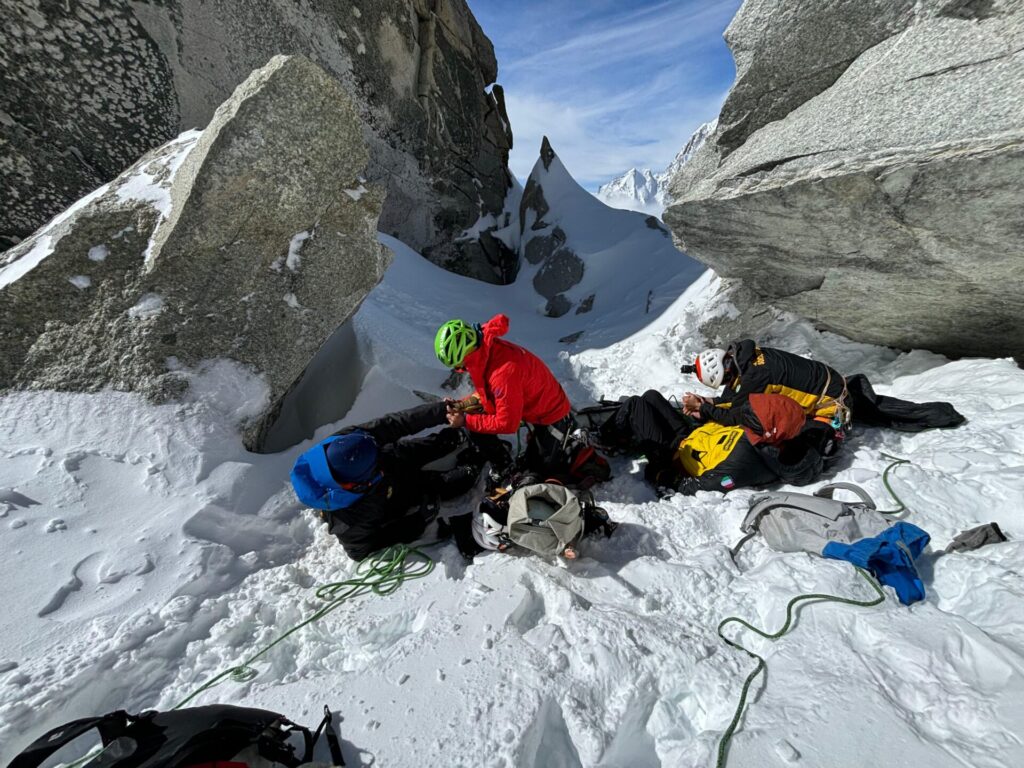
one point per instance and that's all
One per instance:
(462, 530)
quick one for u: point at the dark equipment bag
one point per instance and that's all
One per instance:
(183, 738)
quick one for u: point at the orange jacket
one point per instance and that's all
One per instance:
(512, 383)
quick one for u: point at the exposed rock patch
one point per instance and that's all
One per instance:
(87, 88)
(253, 241)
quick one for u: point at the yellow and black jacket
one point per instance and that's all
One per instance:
(818, 388)
(714, 457)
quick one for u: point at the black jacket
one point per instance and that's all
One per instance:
(398, 508)
(759, 369)
(743, 468)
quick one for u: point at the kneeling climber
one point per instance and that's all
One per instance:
(370, 483)
(512, 386)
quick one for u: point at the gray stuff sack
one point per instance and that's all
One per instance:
(544, 518)
(797, 522)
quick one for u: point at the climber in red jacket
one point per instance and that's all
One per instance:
(512, 385)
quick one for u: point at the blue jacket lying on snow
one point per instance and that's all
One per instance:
(889, 557)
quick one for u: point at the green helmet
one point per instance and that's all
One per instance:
(454, 340)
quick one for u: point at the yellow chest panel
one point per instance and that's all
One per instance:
(707, 447)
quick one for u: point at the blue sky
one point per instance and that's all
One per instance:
(613, 84)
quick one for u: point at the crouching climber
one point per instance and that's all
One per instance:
(745, 369)
(370, 483)
(512, 386)
(687, 456)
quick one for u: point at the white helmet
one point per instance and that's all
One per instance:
(710, 367)
(487, 531)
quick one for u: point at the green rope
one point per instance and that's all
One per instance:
(381, 574)
(896, 461)
(723, 744)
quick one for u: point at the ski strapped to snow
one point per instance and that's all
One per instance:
(381, 574)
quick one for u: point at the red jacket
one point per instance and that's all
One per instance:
(513, 384)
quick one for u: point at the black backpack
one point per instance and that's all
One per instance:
(184, 738)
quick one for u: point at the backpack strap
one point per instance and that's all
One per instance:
(110, 727)
(826, 491)
(326, 727)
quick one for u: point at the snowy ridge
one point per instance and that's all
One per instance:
(645, 191)
(177, 553)
(629, 261)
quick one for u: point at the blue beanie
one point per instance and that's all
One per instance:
(352, 457)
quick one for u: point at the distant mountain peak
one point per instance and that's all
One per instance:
(643, 190)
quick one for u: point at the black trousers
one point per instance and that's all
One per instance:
(648, 424)
(545, 448)
(447, 483)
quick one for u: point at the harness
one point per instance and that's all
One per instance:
(842, 417)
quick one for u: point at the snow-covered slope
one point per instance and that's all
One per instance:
(646, 191)
(583, 253)
(146, 550)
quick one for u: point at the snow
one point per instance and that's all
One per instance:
(98, 253)
(356, 193)
(146, 550)
(294, 258)
(148, 306)
(151, 182)
(80, 281)
(629, 259)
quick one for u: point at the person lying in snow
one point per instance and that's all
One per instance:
(746, 369)
(512, 386)
(687, 456)
(829, 399)
(370, 483)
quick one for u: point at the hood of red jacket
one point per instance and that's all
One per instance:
(493, 329)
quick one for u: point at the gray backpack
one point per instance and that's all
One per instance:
(545, 518)
(796, 522)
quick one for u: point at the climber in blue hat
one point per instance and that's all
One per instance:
(370, 483)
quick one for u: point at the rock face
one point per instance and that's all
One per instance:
(88, 87)
(252, 241)
(878, 191)
(544, 242)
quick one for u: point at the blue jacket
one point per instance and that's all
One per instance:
(889, 557)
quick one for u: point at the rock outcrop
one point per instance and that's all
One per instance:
(87, 87)
(253, 241)
(866, 170)
(576, 250)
